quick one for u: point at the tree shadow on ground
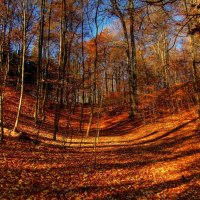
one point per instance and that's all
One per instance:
(152, 191)
(119, 128)
(139, 155)
(119, 191)
(169, 132)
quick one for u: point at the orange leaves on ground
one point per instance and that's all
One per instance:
(158, 160)
(140, 164)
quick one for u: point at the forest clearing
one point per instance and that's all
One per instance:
(100, 99)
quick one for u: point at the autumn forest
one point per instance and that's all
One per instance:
(100, 99)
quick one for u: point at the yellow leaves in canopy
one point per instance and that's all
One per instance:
(105, 41)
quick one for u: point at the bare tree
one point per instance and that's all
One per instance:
(40, 56)
(24, 3)
(193, 41)
(129, 36)
(94, 83)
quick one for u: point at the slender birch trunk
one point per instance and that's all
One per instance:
(23, 62)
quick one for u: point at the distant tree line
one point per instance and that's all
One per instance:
(97, 53)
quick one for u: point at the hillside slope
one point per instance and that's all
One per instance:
(158, 159)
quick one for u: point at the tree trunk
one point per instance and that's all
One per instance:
(1, 117)
(106, 82)
(97, 130)
(95, 70)
(133, 70)
(48, 62)
(194, 66)
(61, 71)
(130, 51)
(83, 67)
(39, 67)
(23, 63)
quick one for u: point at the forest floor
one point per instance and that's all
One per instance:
(157, 160)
